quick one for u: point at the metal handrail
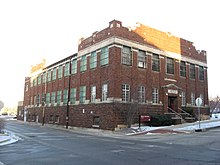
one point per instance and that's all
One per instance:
(175, 112)
(185, 112)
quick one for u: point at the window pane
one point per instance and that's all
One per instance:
(126, 55)
(74, 66)
(82, 94)
(155, 62)
(142, 59)
(93, 60)
(83, 63)
(192, 71)
(104, 56)
(170, 66)
(73, 96)
(125, 92)
(183, 68)
(104, 92)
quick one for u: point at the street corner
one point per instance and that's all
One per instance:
(4, 138)
(156, 131)
(8, 138)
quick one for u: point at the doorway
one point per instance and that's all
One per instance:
(172, 102)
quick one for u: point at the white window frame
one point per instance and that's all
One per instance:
(125, 93)
(104, 92)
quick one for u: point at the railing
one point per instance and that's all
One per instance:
(174, 112)
(185, 112)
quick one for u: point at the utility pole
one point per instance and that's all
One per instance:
(69, 88)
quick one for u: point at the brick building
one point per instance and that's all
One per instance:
(117, 74)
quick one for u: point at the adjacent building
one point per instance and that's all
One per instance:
(117, 74)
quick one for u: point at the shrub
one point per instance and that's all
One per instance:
(2, 125)
(160, 120)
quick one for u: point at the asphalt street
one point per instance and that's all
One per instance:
(39, 145)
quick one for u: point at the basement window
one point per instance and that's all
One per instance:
(96, 121)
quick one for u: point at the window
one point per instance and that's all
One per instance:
(35, 81)
(67, 69)
(35, 100)
(183, 99)
(155, 62)
(74, 66)
(26, 87)
(104, 92)
(96, 121)
(193, 99)
(47, 98)
(183, 68)
(192, 71)
(44, 77)
(38, 99)
(125, 92)
(39, 79)
(82, 95)
(60, 71)
(49, 76)
(201, 73)
(170, 65)
(142, 59)
(65, 96)
(59, 94)
(73, 96)
(155, 98)
(83, 63)
(141, 94)
(93, 60)
(53, 97)
(54, 74)
(126, 56)
(93, 93)
(104, 56)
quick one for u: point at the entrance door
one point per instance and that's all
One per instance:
(172, 101)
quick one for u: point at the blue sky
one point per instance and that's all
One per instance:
(31, 30)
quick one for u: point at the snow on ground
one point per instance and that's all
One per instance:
(213, 122)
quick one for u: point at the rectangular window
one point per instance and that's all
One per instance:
(83, 63)
(104, 56)
(39, 79)
(125, 92)
(183, 99)
(142, 59)
(141, 94)
(44, 77)
(193, 102)
(82, 94)
(53, 98)
(38, 99)
(170, 65)
(155, 62)
(54, 74)
(201, 73)
(47, 98)
(192, 71)
(93, 94)
(126, 56)
(155, 96)
(59, 95)
(96, 121)
(104, 92)
(73, 96)
(49, 76)
(67, 69)
(65, 96)
(60, 72)
(93, 60)
(74, 66)
(35, 100)
(35, 81)
(183, 68)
